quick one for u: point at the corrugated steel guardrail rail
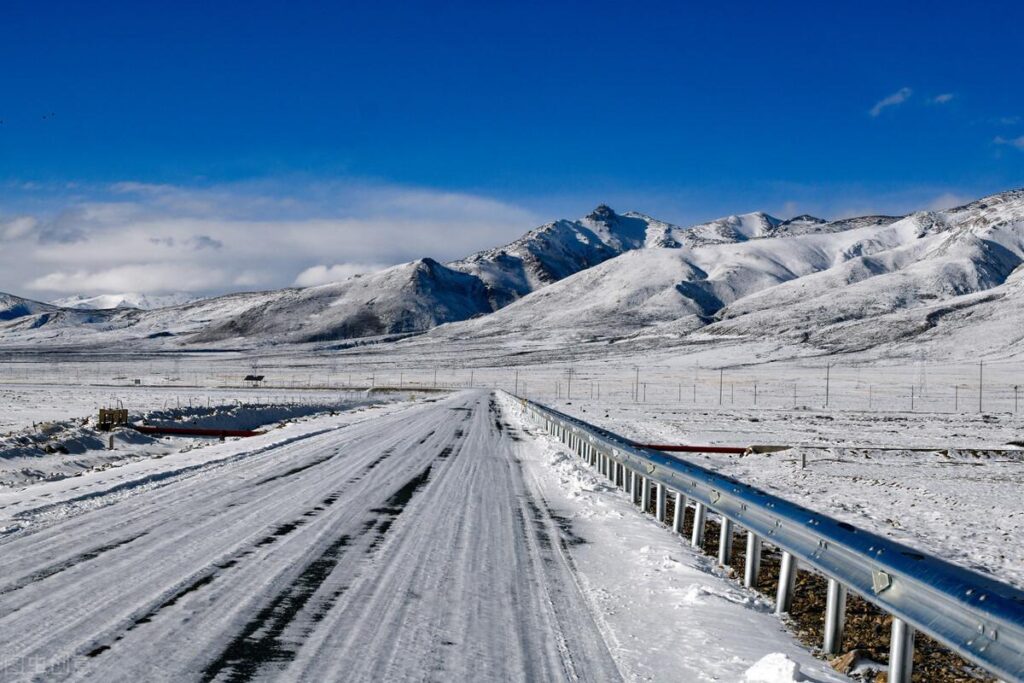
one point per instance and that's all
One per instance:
(980, 619)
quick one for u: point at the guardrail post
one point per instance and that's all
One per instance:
(787, 581)
(835, 617)
(699, 513)
(645, 493)
(659, 505)
(752, 566)
(901, 651)
(677, 517)
(725, 541)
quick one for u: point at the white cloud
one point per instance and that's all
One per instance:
(944, 98)
(1010, 142)
(321, 275)
(145, 278)
(790, 209)
(897, 98)
(949, 200)
(18, 227)
(160, 238)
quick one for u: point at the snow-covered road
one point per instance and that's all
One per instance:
(404, 547)
(426, 541)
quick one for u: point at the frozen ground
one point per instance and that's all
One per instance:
(25, 404)
(427, 539)
(53, 450)
(962, 504)
(959, 498)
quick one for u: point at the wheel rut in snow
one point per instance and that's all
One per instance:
(297, 470)
(115, 492)
(64, 565)
(270, 639)
(216, 570)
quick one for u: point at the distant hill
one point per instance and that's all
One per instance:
(834, 285)
(144, 302)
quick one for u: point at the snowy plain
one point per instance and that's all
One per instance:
(885, 352)
(348, 546)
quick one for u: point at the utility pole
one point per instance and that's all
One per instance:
(568, 392)
(645, 392)
(471, 378)
(680, 399)
(755, 393)
(981, 383)
(516, 392)
(435, 378)
(828, 374)
(956, 398)
(911, 398)
(721, 384)
(636, 386)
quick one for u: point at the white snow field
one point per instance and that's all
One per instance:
(437, 538)
(433, 539)
(944, 484)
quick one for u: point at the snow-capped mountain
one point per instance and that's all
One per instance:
(146, 302)
(554, 251)
(849, 284)
(410, 297)
(840, 286)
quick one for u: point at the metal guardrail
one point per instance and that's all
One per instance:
(980, 619)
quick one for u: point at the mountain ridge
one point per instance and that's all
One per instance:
(614, 275)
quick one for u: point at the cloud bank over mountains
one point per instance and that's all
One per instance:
(133, 236)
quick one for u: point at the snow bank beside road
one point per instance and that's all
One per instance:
(667, 612)
(242, 415)
(56, 450)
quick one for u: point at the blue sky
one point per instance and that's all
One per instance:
(272, 115)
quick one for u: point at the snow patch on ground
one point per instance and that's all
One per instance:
(774, 668)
